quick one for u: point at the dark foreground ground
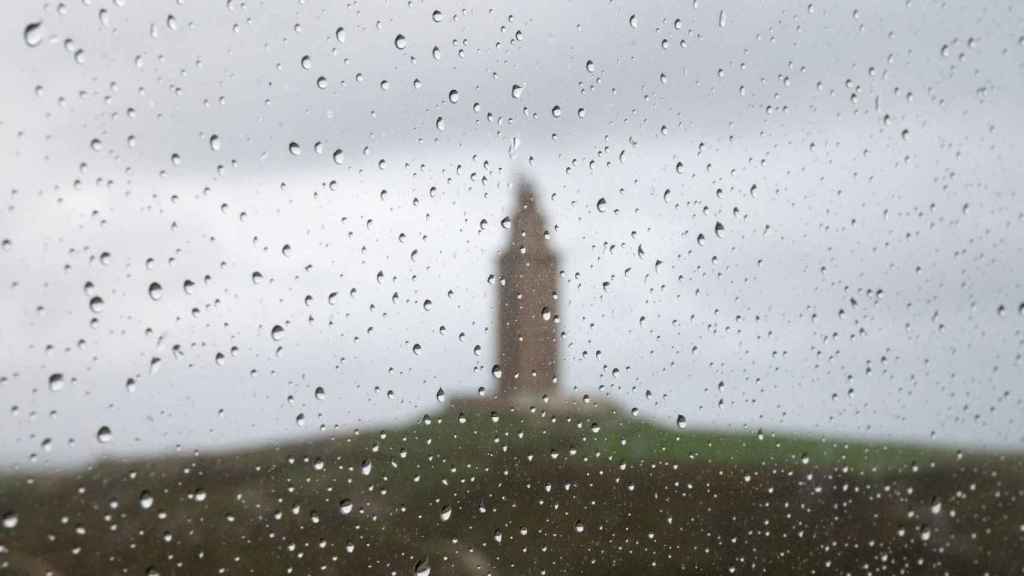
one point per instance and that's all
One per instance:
(527, 493)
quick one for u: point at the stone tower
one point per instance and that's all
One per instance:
(528, 307)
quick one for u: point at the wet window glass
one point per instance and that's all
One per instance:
(493, 288)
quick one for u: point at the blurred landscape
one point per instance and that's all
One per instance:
(570, 490)
(512, 288)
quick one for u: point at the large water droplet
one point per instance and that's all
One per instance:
(401, 42)
(277, 332)
(34, 34)
(104, 435)
(155, 291)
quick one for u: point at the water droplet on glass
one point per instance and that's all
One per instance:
(440, 395)
(96, 304)
(681, 421)
(215, 142)
(104, 435)
(496, 371)
(437, 16)
(423, 568)
(146, 500)
(517, 91)
(366, 467)
(155, 291)
(295, 149)
(56, 381)
(10, 520)
(345, 506)
(277, 332)
(453, 96)
(34, 34)
(401, 42)
(601, 203)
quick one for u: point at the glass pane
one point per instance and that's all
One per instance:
(512, 288)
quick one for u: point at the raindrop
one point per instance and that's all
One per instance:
(215, 143)
(96, 304)
(719, 229)
(33, 37)
(339, 34)
(496, 371)
(446, 513)
(56, 381)
(10, 520)
(681, 421)
(453, 96)
(517, 91)
(155, 291)
(319, 393)
(277, 332)
(439, 123)
(601, 203)
(401, 42)
(423, 568)
(104, 435)
(295, 149)
(366, 467)
(345, 506)
(440, 395)
(146, 500)
(437, 16)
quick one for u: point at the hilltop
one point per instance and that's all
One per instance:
(509, 492)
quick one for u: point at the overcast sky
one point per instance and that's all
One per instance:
(861, 166)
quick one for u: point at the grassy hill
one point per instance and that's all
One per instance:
(532, 493)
